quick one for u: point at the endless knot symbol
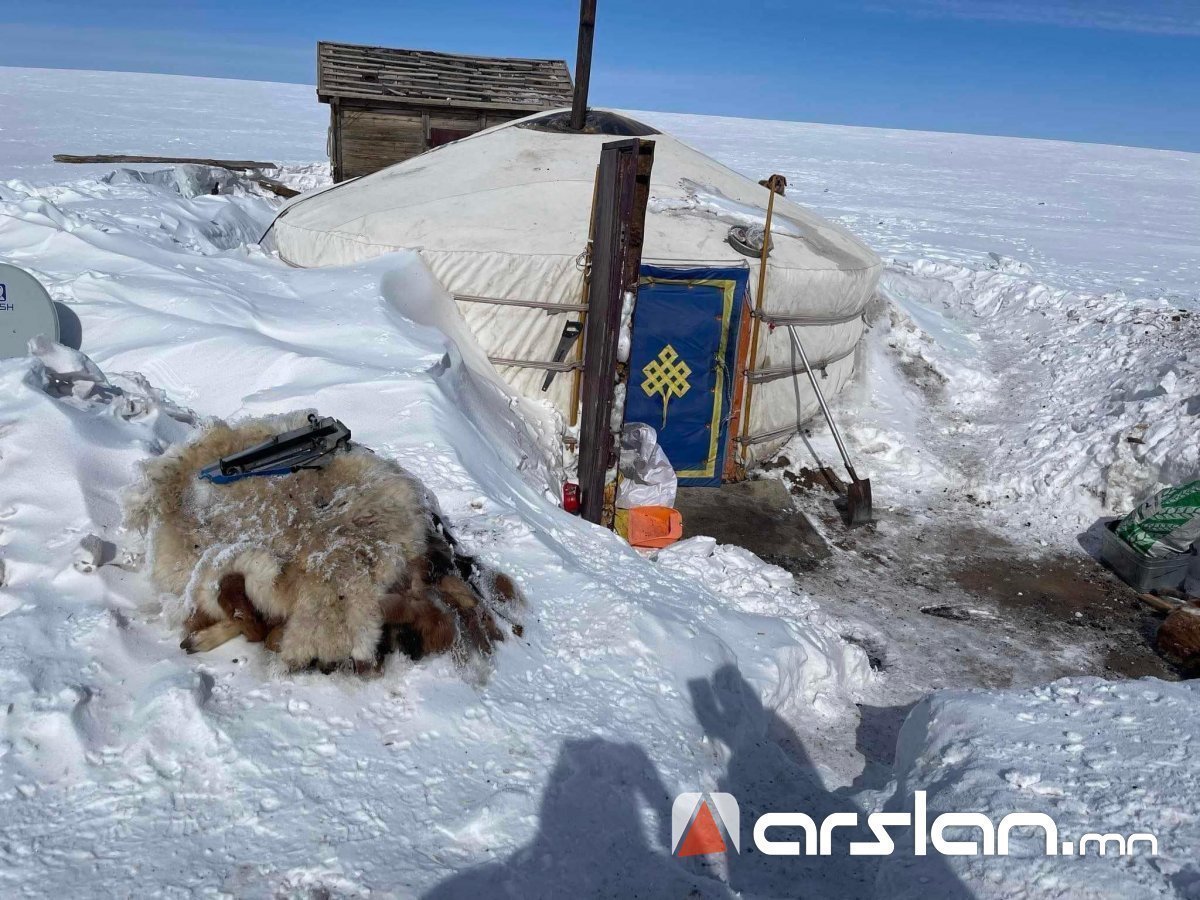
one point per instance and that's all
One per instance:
(668, 376)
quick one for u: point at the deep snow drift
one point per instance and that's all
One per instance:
(1000, 390)
(127, 762)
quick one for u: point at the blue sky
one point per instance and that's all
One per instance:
(1111, 71)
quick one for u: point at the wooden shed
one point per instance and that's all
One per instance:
(387, 105)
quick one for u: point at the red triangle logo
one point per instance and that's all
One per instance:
(703, 836)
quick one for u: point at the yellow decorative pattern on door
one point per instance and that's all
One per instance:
(666, 375)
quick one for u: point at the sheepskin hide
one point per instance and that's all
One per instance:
(323, 552)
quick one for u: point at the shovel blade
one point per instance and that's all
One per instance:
(858, 502)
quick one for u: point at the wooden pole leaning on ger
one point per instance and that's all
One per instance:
(774, 184)
(587, 290)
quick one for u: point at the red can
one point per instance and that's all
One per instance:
(571, 497)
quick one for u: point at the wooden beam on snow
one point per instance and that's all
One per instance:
(236, 165)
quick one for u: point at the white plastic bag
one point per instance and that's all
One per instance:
(647, 478)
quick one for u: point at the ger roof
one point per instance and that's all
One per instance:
(425, 78)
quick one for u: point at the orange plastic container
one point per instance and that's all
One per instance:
(652, 527)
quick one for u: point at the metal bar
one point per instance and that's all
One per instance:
(772, 318)
(535, 364)
(772, 373)
(764, 436)
(764, 375)
(837, 435)
(583, 63)
(552, 308)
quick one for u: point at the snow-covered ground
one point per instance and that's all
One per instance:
(1087, 217)
(49, 111)
(1045, 305)
(1095, 756)
(1035, 359)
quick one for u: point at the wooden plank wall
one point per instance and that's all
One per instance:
(366, 140)
(372, 140)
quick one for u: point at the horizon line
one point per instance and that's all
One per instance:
(670, 112)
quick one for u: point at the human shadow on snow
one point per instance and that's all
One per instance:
(592, 836)
(769, 770)
(875, 739)
(605, 820)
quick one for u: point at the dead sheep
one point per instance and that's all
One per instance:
(332, 567)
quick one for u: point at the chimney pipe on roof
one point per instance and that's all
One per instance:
(583, 63)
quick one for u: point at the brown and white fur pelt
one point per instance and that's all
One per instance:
(330, 567)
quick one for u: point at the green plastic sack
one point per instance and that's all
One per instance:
(1164, 524)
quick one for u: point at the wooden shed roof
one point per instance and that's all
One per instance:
(425, 78)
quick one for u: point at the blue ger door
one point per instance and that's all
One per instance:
(681, 366)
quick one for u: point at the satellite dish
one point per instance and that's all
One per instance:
(26, 311)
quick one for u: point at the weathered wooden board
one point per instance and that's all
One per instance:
(238, 165)
(421, 78)
(367, 140)
(619, 219)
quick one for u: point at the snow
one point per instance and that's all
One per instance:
(1096, 218)
(1111, 372)
(1096, 756)
(49, 111)
(1015, 269)
(125, 759)
(1039, 311)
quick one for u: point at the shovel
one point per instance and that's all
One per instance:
(858, 492)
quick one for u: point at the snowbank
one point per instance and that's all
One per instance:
(123, 761)
(1096, 756)
(1002, 393)
(1117, 392)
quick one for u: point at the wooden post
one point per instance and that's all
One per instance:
(583, 63)
(335, 141)
(587, 285)
(620, 222)
(758, 305)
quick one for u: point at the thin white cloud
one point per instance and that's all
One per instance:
(1166, 17)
